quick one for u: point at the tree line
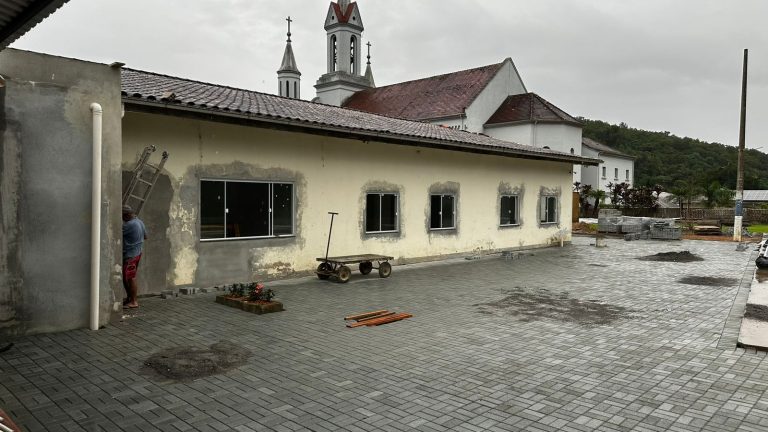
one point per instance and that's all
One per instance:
(680, 164)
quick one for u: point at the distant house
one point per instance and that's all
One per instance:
(616, 167)
(755, 198)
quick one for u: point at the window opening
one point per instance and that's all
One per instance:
(352, 48)
(334, 53)
(240, 209)
(442, 212)
(509, 210)
(381, 212)
(548, 209)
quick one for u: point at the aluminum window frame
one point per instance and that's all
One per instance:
(453, 219)
(271, 210)
(545, 210)
(397, 213)
(517, 210)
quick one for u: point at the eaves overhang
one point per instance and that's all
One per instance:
(19, 16)
(136, 104)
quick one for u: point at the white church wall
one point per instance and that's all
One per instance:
(334, 174)
(561, 137)
(506, 82)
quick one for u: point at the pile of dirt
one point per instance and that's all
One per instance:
(542, 304)
(679, 257)
(708, 281)
(187, 363)
(583, 228)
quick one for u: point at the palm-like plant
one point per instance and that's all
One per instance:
(599, 196)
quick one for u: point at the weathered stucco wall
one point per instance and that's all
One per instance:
(330, 174)
(45, 191)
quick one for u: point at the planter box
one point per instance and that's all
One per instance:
(262, 308)
(242, 304)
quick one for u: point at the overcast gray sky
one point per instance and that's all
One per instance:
(667, 65)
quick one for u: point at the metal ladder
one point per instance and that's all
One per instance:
(140, 186)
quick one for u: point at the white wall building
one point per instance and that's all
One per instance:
(616, 167)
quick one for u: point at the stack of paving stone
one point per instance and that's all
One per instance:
(666, 230)
(609, 224)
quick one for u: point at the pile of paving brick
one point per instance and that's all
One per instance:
(640, 228)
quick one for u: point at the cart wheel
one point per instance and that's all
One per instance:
(385, 269)
(324, 268)
(366, 267)
(344, 273)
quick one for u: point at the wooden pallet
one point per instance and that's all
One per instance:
(375, 318)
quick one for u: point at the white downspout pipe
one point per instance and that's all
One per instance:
(96, 215)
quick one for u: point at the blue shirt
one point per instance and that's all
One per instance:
(133, 237)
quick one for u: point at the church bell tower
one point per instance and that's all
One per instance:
(344, 28)
(289, 77)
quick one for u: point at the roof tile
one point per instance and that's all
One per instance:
(429, 98)
(146, 86)
(529, 107)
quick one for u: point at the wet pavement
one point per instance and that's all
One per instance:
(573, 339)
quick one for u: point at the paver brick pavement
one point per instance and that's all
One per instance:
(513, 365)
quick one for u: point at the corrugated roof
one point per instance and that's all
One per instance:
(529, 107)
(19, 16)
(428, 98)
(602, 148)
(756, 195)
(172, 93)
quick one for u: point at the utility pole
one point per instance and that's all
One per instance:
(740, 177)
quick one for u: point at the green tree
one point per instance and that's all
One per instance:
(715, 195)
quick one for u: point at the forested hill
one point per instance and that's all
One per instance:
(668, 160)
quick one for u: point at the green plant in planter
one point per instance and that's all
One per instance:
(258, 293)
(237, 290)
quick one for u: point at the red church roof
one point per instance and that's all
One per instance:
(529, 107)
(429, 98)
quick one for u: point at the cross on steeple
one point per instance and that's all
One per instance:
(289, 27)
(369, 51)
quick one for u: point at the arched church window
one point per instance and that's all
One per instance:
(352, 48)
(287, 89)
(295, 90)
(334, 48)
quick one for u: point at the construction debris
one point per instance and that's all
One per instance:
(375, 318)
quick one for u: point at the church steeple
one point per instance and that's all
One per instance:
(368, 71)
(344, 28)
(289, 77)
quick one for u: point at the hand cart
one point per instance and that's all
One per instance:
(337, 266)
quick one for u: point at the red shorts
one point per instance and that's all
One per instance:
(130, 266)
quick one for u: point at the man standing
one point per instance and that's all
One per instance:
(134, 234)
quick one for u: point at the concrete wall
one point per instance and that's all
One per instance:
(330, 174)
(45, 191)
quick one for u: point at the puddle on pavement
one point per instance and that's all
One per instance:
(679, 257)
(761, 275)
(543, 304)
(708, 281)
(756, 312)
(188, 363)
